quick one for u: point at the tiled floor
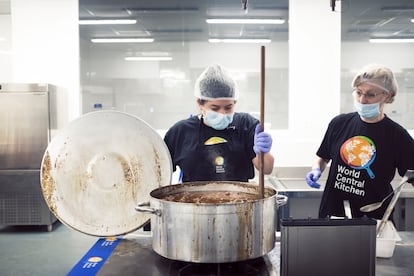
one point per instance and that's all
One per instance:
(31, 250)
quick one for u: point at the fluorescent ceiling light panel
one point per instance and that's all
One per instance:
(148, 58)
(227, 40)
(122, 40)
(391, 40)
(152, 54)
(412, 20)
(108, 22)
(245, 21)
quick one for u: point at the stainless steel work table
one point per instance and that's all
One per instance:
(304, 201)
(134, 256)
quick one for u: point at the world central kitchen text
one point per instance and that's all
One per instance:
(347, 181)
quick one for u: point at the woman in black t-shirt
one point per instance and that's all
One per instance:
(218, 144)
(365, 149)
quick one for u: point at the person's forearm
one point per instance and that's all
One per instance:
(320, 163)
(269, 161)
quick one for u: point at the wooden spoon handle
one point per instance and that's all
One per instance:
(262, 104)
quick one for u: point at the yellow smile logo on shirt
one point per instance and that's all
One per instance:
(219, 161)
(214, 141)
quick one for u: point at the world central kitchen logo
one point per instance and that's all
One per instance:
(96, 257)
(92, 262)
(359, 153)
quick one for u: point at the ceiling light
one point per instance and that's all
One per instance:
(122, 40)
(412, 20)
(152, 54)
(391, 40)
(108, 22)
(148, 58)
(245, 21)
(241, 40)
(174, 9)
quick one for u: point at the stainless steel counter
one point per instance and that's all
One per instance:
(304, 201)
(134, 256)
(298, 184)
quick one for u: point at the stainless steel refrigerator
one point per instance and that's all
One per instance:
(25, 126)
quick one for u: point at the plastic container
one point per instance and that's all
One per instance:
(386, 242)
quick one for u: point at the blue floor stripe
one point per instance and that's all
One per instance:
(95, 258)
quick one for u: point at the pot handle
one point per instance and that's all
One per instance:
(145, 208)
(281, 200)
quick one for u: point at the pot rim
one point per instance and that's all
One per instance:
(270, 192)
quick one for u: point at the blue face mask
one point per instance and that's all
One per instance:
(367, 110)
(217, 120)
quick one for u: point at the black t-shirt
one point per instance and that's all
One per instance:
(364, 158)
(206, 154)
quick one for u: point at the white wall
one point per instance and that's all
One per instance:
(314, 80)
(45, 39)
(5, 48)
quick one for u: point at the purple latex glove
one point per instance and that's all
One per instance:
(312, 177)
(262, 141)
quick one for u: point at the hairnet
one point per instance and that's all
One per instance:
(215, 83)
(378, 76)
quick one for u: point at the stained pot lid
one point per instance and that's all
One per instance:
(97, 168)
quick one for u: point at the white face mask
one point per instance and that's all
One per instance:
(368, 111)
(218, 120)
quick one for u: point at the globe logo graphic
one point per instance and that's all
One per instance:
(359, 152)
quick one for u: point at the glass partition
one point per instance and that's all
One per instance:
(363, 21)
(154, 78)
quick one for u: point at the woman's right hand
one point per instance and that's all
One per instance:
(312, 177)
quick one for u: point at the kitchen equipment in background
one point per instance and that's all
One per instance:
(347, 208)
(26, 114)
(96, 169)
(387, 235)
(386, 243)
(409, 176)
(374, 206)
(233, 223)
(326, 247)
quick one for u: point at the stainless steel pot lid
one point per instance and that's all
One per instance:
(95, 170)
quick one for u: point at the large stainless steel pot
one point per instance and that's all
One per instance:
(98, 167)
(213, 232)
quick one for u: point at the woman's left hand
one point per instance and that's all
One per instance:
(262, 141)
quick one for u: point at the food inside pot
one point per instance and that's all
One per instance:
(211, 197)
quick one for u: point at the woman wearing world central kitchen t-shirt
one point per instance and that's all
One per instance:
(365, 149)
